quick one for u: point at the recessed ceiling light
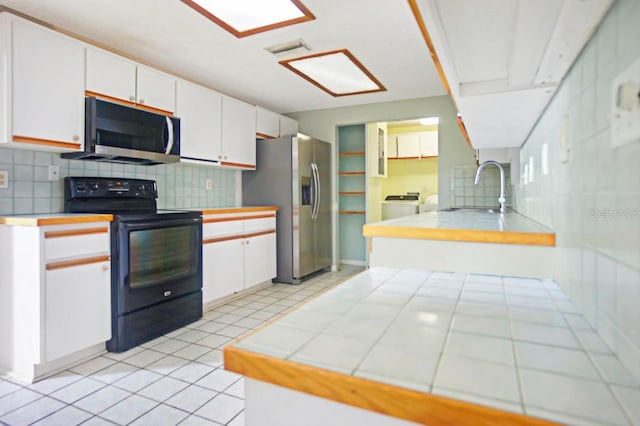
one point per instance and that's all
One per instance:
(337, 72)
(245, 17)
(430, 121)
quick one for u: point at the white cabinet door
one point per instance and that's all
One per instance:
(429, 144)
(409, 146)
(222, 269)
(156, 89)
(200, 112)
(259, 259)
(109, 75)
(392, 147)
(77, 308)
(238, 134)
(288, 126)
(267, 124)
(48, 87)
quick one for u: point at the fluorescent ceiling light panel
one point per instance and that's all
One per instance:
(246, 17)
(337, 72)
(430, 121)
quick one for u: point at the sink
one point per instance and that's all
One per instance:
(474, 210)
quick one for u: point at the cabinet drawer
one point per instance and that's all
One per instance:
(59, 244)
(224, 227)
(259, 224)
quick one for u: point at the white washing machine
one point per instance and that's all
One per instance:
(400, 205)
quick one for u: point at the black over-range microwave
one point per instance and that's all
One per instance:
(121, 134)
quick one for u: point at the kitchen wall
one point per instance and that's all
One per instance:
(179, 185)
(464, 192)
(411, 176)
(592, 200)
(452, 148)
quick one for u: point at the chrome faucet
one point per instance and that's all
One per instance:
(501, 198)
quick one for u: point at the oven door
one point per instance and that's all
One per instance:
(157, 260)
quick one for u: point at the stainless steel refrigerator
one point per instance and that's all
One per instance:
(294, 173)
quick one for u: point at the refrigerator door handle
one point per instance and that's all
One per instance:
(316, 191)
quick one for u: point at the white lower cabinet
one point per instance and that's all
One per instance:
(238, 252)
(56, 292)
(70, 329)
(222, 269)
(260, 258)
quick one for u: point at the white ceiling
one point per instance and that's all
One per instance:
(504, 59)
(382, 34)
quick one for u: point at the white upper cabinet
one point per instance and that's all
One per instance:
(200, 112)
(504, 59)
(155, 89)
(238, 134)
(271, 125)
(43, 75)
(429, 144)
(110, 75)
(409, 145)
(116, 78)
(267, 124)
(288, 126)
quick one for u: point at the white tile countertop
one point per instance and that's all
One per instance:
(512, 344)
(54, 219)
(477, 225)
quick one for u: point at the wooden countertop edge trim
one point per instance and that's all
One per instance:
(467, 235)
(63, 220)
(240, 209)
(401, 403)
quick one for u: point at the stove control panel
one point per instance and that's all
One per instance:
(100, 187)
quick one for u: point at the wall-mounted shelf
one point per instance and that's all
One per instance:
(352, 154)
(352, 192)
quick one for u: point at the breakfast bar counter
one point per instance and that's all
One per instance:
(472, 225)
(463, 240)
(402, 347)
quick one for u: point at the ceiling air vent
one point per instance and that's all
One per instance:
(295, 47)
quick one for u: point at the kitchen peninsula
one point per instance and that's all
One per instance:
(450, 240)
(403, 347)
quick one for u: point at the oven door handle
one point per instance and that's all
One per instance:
(170, 132)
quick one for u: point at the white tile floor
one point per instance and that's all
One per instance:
(175, 379)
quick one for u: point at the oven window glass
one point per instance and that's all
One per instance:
(161, 254)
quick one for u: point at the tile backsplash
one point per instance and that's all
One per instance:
(180, 185)
(591, 198)
(465, 194)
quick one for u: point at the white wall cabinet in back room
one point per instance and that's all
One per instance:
(43, 74)
(238, 252)
(238, 134)
(200, 112)
(409, 145)
(429, 144)
(115, 78)
(58, 286)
